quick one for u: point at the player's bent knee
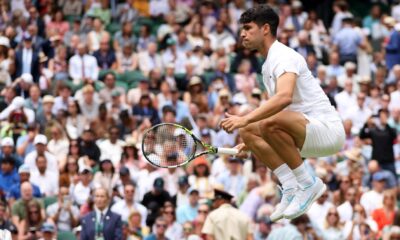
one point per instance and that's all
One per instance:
(246, 132)
(269, 126)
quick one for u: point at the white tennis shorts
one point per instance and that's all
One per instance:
(323, 138)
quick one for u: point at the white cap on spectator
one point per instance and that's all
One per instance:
(27, 78)
(7, 142)
(296, 4)
(48, 99)
(18, 102)
(40, 139)
(178, 132)
(24, 168)
(85, 169)
(4, 41)
(350, 65)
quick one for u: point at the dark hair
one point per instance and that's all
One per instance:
(78, 108)
(109, 73)
(168, 109)
(260, 15)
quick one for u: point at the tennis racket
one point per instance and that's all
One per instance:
(169, 145)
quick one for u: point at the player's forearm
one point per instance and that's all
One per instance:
(274, 105)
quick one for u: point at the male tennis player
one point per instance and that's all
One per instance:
(297, 120)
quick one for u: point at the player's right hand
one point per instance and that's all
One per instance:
(242, 147)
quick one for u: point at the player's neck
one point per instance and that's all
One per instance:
(268, 41)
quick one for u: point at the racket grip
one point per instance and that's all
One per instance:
(227, 151)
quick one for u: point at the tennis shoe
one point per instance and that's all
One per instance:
(304, 198)
(287, 197)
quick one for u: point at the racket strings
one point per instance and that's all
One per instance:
(167, 145)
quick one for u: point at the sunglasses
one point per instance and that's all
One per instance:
(161, 225)
(202, 211)
(333, 213)
(168, 212)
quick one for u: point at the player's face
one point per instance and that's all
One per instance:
(251, 35)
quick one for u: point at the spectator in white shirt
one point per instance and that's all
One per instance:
(40, 143)
(149, 59)
(89, 104)
(395, 97)
(62, 100)
(373, 199)
(112, 147)
(345, 210)
(81, 191)
(83, 67)
(319, 210)
(359, 113)
(44, 178)
(126, 206)
(59, 144)
(346, 98)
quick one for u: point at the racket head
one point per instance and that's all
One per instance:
(169, 145)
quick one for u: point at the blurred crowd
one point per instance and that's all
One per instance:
(81, 81)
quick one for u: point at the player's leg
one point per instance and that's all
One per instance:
(286, 133)
(251, 136)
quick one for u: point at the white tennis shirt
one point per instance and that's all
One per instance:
(308, 96)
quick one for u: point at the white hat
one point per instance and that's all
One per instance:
(179, 131)
(40, 139)
(350, 65)
(18, 102)
(296, 4)
(27, 77)
(7, 141)
(4, 41)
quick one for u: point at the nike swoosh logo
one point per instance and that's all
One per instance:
(307, 202)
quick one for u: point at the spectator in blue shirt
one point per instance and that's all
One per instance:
(188, 212)
(8, 174)
(233, 180)
(347, 41)
(181, 108)
(15, 189)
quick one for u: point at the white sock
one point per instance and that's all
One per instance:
(303, 177)
(286, 176)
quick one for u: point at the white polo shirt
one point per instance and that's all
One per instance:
(308, 96)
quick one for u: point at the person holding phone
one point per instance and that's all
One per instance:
(64, 214)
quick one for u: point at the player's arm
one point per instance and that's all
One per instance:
(283, 98)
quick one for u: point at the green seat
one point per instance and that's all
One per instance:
(63, 235)
(122, 84)
(131, 76)
(49, 200)
(260, 82)
(208, 77)
(112, 28)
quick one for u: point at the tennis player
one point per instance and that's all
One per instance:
(297, 120)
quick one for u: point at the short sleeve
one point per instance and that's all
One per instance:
(285, 65)
(208, 227)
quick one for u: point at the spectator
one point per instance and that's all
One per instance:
(127, 60)
(48, 231)
(58, 25)
(31, 224)
(75, 122)
(21, 211)
(96, 35)
(89, 104)
(83, 68)
(188, 212)
(27, 60)
(46, 179)
(70, 174)
(59, 144)
(63, 213)
(7, 151)
(135, 229)
(382, 137)
(107, 224)
(233, 180)
(24, 173)
(8, 175)
(105, 56)
(106, 177)
(319, 210)
(373, 199)
(160, 229)
(155, 199)
(361, 226)
(333, 227)
(385, 216)
(112, 147)
(201, 179)
(128, 205)
(149, 59)
(225, 221)
(145, 109)
(80, 192)
(346, 209)
(174, 229)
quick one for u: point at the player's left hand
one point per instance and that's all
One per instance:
(232, 122)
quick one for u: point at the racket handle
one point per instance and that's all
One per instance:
(227, 151)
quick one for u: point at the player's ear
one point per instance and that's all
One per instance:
(266, 29)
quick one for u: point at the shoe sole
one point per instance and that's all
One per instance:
(316, 196)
